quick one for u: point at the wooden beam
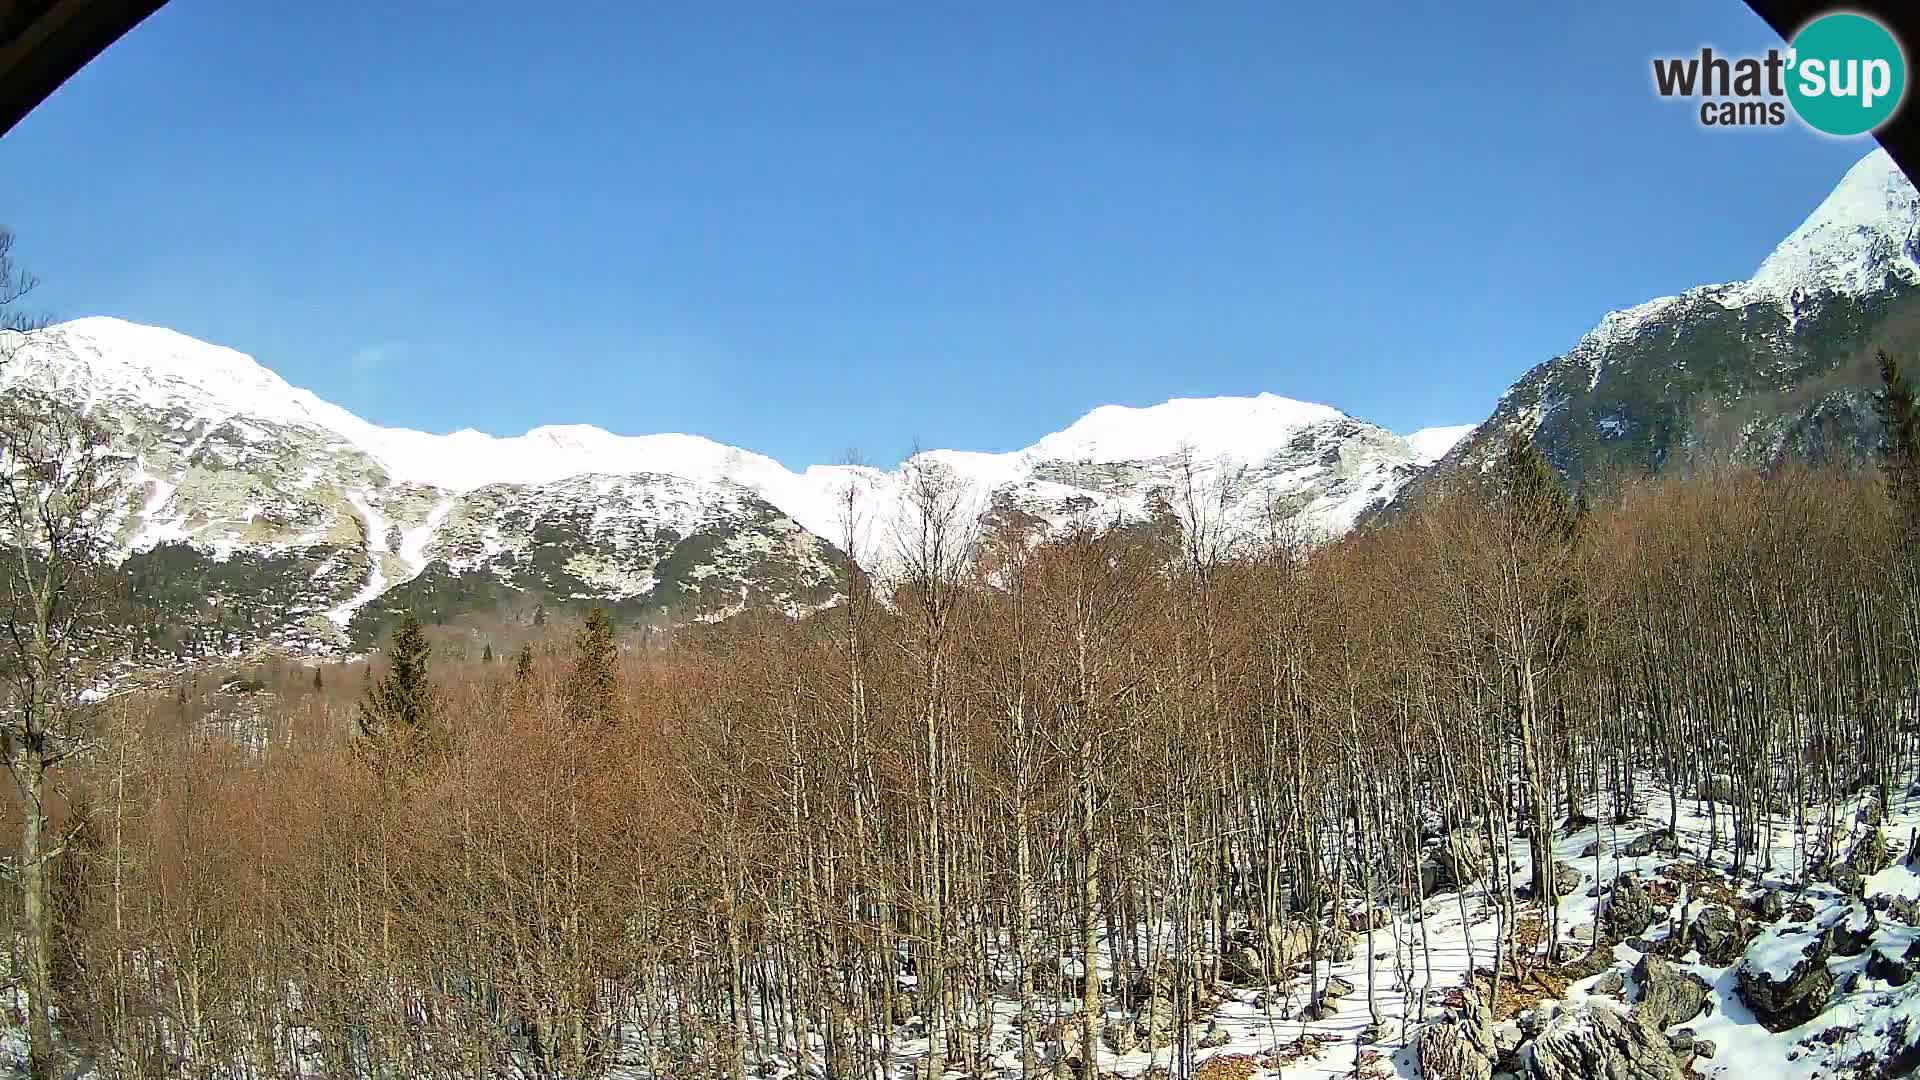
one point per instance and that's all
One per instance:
(46, 41)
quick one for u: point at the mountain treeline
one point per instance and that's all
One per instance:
(1198, 759)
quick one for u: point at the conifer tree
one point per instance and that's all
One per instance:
(319, 684)
(486, 653)
(523, 667)
(1540, 526)
(1534, 494)
(592, 688)
(1900, 441)
(399, 708)
(540, 615)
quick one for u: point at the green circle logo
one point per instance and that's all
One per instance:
(1847, 74)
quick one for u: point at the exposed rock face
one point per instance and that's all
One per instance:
(1668, 996)
(1460, 1046)
(1718, 935)
(266, 515)
(1597, 1040)
(1756, 371)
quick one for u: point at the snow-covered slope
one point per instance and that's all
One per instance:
(1431, 444)
(234, 462)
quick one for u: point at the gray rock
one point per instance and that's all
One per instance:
(1456, 862)
(1612, 984)
(1460, 1045)
(1364, 919)
(1772, 906)
(1785, 999)
(1506, 1039)
(1718, 935)
(1566, 879)
(1337, 987)
(1628, 911)
(1288, 943)
(1705, 1049)
(1849, 928)
(1243, 967)
(1870, 854)
(1668, 996)
(1889, 968)
(1118, 1036)
(1598, 1041)
(1661, 840)
(1157, 1023)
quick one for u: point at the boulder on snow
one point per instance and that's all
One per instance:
(1566, 879)
(1894, 969)
(1336, 988)
(1717, 934)
(1243, 967)
(1771, 906)
(1599, 1040)
(1628, 911)
(1363, 918)
(1783, 977)
(1118, 1036)
(1668, 996)
(1288, 943)
(1849, 927)
(1661, 840)
(1460, 1045)
(1870, 854)
(1456, 862)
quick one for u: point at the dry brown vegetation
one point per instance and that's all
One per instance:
(979, 784)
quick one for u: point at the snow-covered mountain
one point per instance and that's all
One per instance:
(266, 506)
(1778, 365)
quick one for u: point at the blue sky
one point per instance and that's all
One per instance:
(810, 228)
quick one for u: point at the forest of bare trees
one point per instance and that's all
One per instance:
(1191, 756)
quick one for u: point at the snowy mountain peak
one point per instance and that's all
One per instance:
(1243, 428)
(233, 463)
(1431, 444)
(1868, 226)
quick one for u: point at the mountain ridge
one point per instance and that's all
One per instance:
(234, 465)
(1754, 371)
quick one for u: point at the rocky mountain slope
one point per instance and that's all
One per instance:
(261, 514)
(1777, 366)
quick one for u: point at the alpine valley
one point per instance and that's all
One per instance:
(262, 517)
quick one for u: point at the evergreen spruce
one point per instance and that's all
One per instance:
(486, 653)
(319, 684)
(523, 667)
(540, 615)
(1534, 495)
(398, 710)
(593, 688)
(1900, 441)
